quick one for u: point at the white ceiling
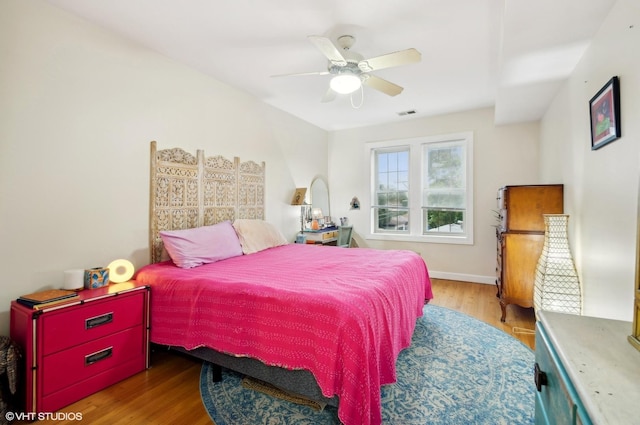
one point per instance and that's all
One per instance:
(511, 54)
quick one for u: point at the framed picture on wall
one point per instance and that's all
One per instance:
(604, 109)
(298, 196)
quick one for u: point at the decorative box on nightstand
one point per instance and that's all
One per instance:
(76, 349)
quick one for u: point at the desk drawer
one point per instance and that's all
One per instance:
(76, 325)
(64, 368)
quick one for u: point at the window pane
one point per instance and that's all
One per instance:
(382, 163)
(403, 198)
(445, 165)
(442, 221)
(392, 190)
(393, 181)
(444, 187)
(393, 161)
(403, 180)
(403, 161)
(391, 219)
(383, 181)
(444, 198)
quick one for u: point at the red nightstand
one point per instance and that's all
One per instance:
(76, 349)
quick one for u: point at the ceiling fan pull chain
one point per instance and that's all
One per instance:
(361, 99)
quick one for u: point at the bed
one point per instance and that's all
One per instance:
(325, 322)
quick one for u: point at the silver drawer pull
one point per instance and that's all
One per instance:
(90, 359)
(103, 319)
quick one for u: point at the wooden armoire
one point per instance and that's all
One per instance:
(520, 235)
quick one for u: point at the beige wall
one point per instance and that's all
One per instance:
(502, 155)
(78, 108)
(601, 187)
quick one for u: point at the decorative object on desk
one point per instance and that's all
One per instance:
(73, 279)
(604, 111)
(305, 216)
(298, 196)
(96, 277)
(457, 370)
(120, 271)
(316, 215)
(355, 203)
(344, 236)
(319, 195)
(556, 287)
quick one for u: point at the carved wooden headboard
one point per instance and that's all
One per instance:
(191, 191)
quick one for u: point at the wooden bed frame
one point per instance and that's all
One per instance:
(189, 191)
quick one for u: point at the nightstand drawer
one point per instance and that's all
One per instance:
(82, 362)
(70, 327)
(555, 403)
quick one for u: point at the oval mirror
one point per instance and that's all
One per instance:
(319, 195)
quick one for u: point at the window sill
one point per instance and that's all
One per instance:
(455, 240)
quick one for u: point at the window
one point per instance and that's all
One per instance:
(444, 187)
(421, 189)
(391, 194)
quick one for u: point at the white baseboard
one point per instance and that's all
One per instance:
(489, 280)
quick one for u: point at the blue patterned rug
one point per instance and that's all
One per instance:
(458, 370)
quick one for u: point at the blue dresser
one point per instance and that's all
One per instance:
(586, 371)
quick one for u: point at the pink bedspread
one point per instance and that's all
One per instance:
(343, 314)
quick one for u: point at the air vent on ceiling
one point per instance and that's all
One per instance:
(403, 113)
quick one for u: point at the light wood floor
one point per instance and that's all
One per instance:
(169, 392)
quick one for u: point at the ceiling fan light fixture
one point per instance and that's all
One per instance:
(345, 83)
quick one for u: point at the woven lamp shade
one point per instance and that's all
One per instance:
(557, 286)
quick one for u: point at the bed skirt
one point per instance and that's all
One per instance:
(300, 381)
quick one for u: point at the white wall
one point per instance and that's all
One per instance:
(601, 187)
(503, 155)
(78, 108)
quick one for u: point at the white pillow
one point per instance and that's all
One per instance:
(257, 235)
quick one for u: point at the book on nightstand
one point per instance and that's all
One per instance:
(47, 298)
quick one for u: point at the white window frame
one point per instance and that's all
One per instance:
(415, 192)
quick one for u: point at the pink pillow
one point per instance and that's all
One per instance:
(201, 245)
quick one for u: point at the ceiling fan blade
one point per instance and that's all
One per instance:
(403, 57)
(329, 96)
(302, 74)
(382, 85)
(328, 49)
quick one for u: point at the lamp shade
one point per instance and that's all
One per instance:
(120, 271)
(345, 83)
(557, 286)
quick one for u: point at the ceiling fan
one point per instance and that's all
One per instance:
(350, 70)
